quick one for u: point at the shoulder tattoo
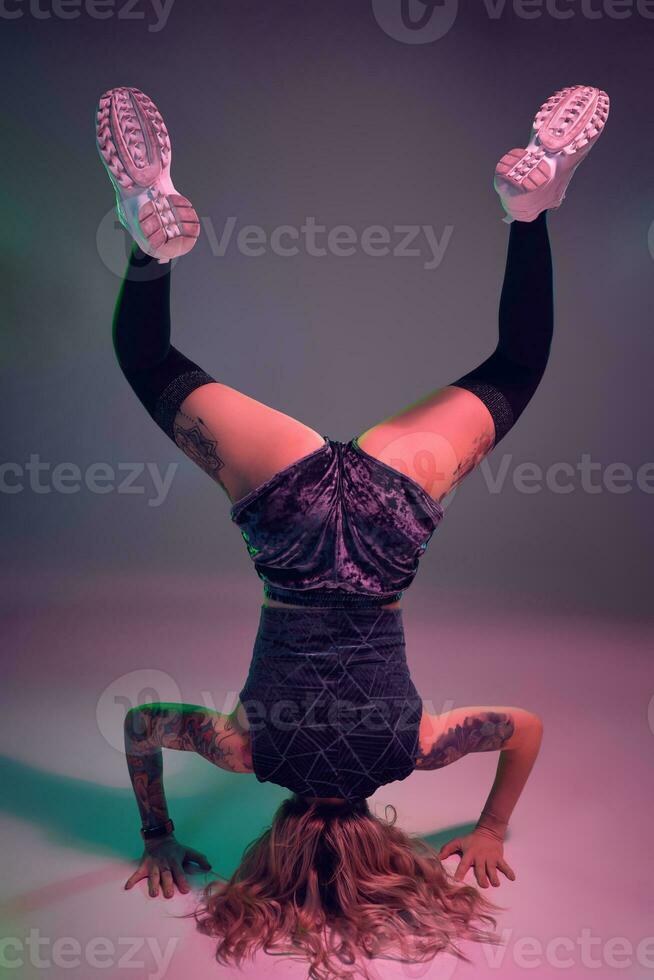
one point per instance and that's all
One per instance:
(485, 732)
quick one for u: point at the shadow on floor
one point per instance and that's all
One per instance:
(94, 819)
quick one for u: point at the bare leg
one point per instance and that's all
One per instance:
(238, 441)
(443, 436)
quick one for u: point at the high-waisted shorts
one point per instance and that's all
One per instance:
(332, 708)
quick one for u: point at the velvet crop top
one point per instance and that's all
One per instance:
(337, 527)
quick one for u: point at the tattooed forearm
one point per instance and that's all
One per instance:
(484, 732)
(194, 438)
(145, 765)
(189, 728)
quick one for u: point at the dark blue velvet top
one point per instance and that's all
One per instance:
(337, 525)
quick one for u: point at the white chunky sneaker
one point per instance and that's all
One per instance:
(565, 128)
(134, 145)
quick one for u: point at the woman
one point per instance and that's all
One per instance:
(329, 709)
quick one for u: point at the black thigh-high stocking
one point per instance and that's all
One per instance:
(160, 375)
(507, 380)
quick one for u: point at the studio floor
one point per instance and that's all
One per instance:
(84, 647)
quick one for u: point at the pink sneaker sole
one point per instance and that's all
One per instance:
(536, 177)
(133, 142)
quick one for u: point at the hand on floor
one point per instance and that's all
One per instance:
(482, 850)
(163, 863)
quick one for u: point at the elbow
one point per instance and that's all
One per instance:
(136, 723)
(129, 723)
(528, 729)
(534, 729)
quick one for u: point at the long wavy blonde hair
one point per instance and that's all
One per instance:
(337, 885)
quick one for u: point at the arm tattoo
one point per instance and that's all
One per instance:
(485, 732)
(175, 726)
(194, 438)
(145, 765)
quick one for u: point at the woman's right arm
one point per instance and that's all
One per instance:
(150, 728)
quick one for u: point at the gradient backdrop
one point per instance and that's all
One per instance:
(536, 589)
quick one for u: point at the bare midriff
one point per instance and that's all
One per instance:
(289, 605)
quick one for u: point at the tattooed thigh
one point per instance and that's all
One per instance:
(481, 447)
(194, 438)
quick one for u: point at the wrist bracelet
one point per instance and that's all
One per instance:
(161, 830)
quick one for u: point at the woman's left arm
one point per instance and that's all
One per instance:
(517, 734)
(517, 758)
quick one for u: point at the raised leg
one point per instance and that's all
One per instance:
(443, 436)
(238, 441)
